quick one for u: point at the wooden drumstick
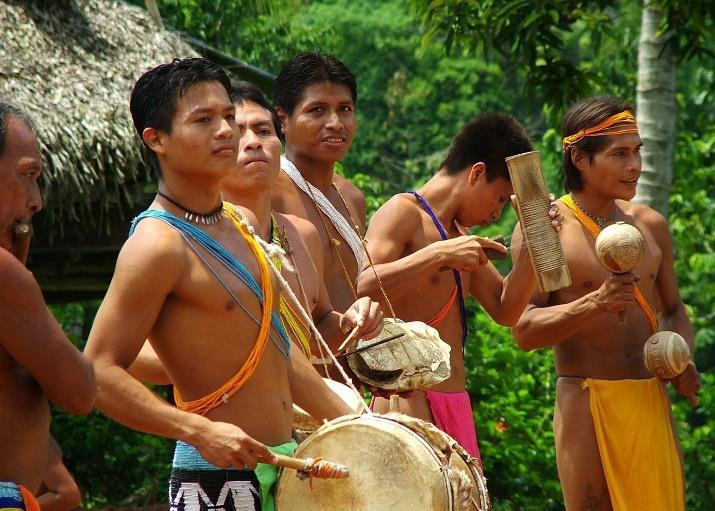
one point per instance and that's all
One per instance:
(313, 467)
(620, 248)
(22, 234)
(666, 355)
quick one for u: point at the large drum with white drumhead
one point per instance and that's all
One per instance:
(396, 463)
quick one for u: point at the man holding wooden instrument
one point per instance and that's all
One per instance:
(427, 262)
(37, 362)
(615, 444)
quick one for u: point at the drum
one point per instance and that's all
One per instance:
(304, 424)
(396, 463)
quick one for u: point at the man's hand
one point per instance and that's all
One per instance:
(554, 213)
(616, 292)
(364, 314)
(687, 383)
(466, 253)
(226, 446)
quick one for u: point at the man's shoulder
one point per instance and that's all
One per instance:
(399, 212)
(13, 275)
(644, 216)
(153, 242)
(348, 189)
(300, 226)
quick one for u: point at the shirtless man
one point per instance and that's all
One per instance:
(250, 187)
(412, 249)
(37, 361)
(615, 446)
(315, 97)
(202, 293)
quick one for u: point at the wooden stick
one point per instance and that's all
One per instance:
(371, 345)
(321, 469)
(349, 337)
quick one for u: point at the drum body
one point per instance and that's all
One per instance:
(396, 463)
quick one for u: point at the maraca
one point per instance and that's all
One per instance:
(666, 355)
(620, 247)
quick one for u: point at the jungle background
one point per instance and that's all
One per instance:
(424, 68)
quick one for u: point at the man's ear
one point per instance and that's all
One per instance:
(478, 169)
(154, 140)
(282, 115)
(578, 158)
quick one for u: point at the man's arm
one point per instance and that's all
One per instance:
(310, 392)
(32, 337)
(543, 325)
(147, 271)
(389, 233)
(59, 490)
(148, 368)
(675, 317)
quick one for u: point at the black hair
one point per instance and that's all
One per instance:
(246, 91)
(155, 95)
(306, 69)
(6, 111)
(488, 138)
(582, 115)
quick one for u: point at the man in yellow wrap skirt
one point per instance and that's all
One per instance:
(615, 443)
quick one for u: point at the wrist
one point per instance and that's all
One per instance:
(192, 428)
(594, 302)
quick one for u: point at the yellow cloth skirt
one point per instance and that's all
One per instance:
(637, 444)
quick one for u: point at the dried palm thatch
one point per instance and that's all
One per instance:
(71, 64)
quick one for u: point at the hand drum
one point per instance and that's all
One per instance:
(666, 355)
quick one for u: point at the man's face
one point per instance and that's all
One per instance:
(614, 170)
(20, 168)
(203, 133)
(259, 149)
(323, 123)
(487, 199)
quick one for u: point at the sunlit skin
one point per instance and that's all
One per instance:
(199, 333)
(37, 361)
(581, 322)
(318, 133)
(410, 258)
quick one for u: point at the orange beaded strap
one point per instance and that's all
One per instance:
(594, 229)
(207, 403)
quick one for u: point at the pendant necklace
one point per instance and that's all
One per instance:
(212, 217)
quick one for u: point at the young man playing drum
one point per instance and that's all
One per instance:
(615, 445)
(193, 280)
(427, 262)
(37, 362)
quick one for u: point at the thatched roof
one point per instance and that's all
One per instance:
(71, 64)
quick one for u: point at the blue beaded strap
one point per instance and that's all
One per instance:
(457, 276)
(224, 257)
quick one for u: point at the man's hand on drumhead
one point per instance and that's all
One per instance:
(226, 446)
(366, 315)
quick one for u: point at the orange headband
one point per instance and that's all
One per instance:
(618, 124)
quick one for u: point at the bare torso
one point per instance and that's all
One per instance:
(605, 348)
(288, 198)
(203, 337)
(434, 292)
(25, 425)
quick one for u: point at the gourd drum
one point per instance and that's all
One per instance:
(304, 424)
(396, 463)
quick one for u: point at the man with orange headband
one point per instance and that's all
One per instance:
(193, 280)
(615, 444)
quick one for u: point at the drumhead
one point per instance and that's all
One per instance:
(391, 468)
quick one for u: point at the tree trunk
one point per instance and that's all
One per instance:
(656, 111)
